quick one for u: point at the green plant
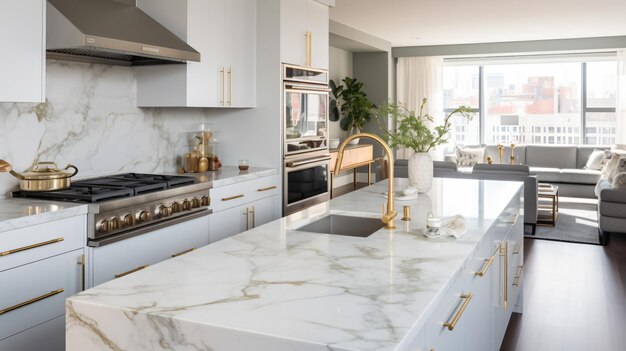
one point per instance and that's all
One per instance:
(350, 102)
(412, 130)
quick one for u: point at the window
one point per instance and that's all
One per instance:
(530, 101)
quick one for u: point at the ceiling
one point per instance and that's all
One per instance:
(439, 22)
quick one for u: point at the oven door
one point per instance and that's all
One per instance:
(307, 183)
(306, 119)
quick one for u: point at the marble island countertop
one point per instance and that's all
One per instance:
(276, 288)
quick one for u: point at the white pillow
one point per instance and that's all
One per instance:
(468, 157)
(619, 147)
(610, 166)
(619, 181)
(595, 160)
(620, 168)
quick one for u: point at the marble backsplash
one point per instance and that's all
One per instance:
(91, 120)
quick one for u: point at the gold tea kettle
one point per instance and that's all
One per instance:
(43, 176)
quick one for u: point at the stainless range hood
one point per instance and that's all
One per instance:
(111, 32)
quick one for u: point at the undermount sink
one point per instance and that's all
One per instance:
(344, 225)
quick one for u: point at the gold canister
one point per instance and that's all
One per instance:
(203, 164)
(191, 162)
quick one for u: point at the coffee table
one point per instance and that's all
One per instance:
(548, 213)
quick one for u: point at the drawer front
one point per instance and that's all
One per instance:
(123, 257)
(36, 292)
(438, 335)
(26, 245)
(49, 336)
(242, 193)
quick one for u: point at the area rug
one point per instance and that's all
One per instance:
(577, 222)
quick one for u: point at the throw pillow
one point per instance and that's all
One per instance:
(620, 168)
(610, 166)
(595, 160)
(619, 181)
(468, 157)
(619, 147)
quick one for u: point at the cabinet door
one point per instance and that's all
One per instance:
(265, 211)
(241, 53)
(318, 23)
(206, 80)
(23, 41)
(438, 336)
(49, 336)
(226, 223)
(293, 29)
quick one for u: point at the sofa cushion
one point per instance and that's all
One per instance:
(580, 176)
(502, 170)
(551, 156)
(584, 152)
(469, 156)
(544, 174)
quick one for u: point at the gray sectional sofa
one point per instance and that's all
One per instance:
(611, 210)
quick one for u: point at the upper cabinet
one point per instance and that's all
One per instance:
(23, 58)
(304, 33)
(224, 32)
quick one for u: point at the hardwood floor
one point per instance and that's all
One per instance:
(574, 298)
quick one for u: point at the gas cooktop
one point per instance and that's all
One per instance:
(111, 187)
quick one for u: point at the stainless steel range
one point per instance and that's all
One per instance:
(126, 205)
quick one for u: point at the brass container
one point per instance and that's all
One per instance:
(46, 178)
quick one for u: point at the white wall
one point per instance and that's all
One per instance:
(340, 67)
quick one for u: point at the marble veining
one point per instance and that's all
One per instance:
(18, 213)
(276, 288)
(228, 175)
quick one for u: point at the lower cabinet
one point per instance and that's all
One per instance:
(444, 328)
(49, 336)
(130, 255)
(235, 220)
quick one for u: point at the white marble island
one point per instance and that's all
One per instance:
(274, 288)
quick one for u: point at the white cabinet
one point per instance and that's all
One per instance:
(242, 206)
(304, 33)
(444, 328)
(23, 58)
(224, 32)
(130, 255)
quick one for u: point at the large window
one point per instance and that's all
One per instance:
(534, 103)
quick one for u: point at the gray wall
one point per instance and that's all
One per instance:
(340, 67)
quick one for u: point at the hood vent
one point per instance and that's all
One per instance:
(110, 32)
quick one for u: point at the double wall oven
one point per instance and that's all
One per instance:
(305, 137)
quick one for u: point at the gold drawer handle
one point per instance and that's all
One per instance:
(183, 252)
(514, 221)
(517, 249)
(483, 271)
(267, 189)
(518, 280)
(9, 252)
(131, 271)
(457, 316)
(26, 303)
(232, 197)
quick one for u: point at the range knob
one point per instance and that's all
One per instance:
(143, 216)
(195, 203)
(128, 220)
(187, 205)
(115, 223)
(205, 200)
(104, 226)
(164, 211)
(176, 207)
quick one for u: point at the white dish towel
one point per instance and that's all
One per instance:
(451, 226)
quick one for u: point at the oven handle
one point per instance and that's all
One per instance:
(299, 164)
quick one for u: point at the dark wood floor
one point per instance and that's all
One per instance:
(574, 298)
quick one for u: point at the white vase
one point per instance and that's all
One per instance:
(421, 171)
(353, 131)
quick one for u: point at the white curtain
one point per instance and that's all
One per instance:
(620, 114)
(419, 78)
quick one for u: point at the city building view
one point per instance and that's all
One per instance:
(534, 103)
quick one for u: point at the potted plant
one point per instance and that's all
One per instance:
(350, 106)
(413, 132)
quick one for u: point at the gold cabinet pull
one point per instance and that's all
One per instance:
(267, 189)
(488, 262)
(232, 197)
(247, 214)
(223, 78)
(457, 316)
(183, 252)
(504, 253)
(9, 252)
(82, 271)
(515, 218)
(230, 86)
(517, 249)
(518, 280)
(252, 211)
(26, 303)
(131, 271)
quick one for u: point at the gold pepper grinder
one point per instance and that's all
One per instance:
(407, 213)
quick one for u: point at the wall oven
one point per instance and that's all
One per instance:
(307, 182)
(305, 138)
(305, 109)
